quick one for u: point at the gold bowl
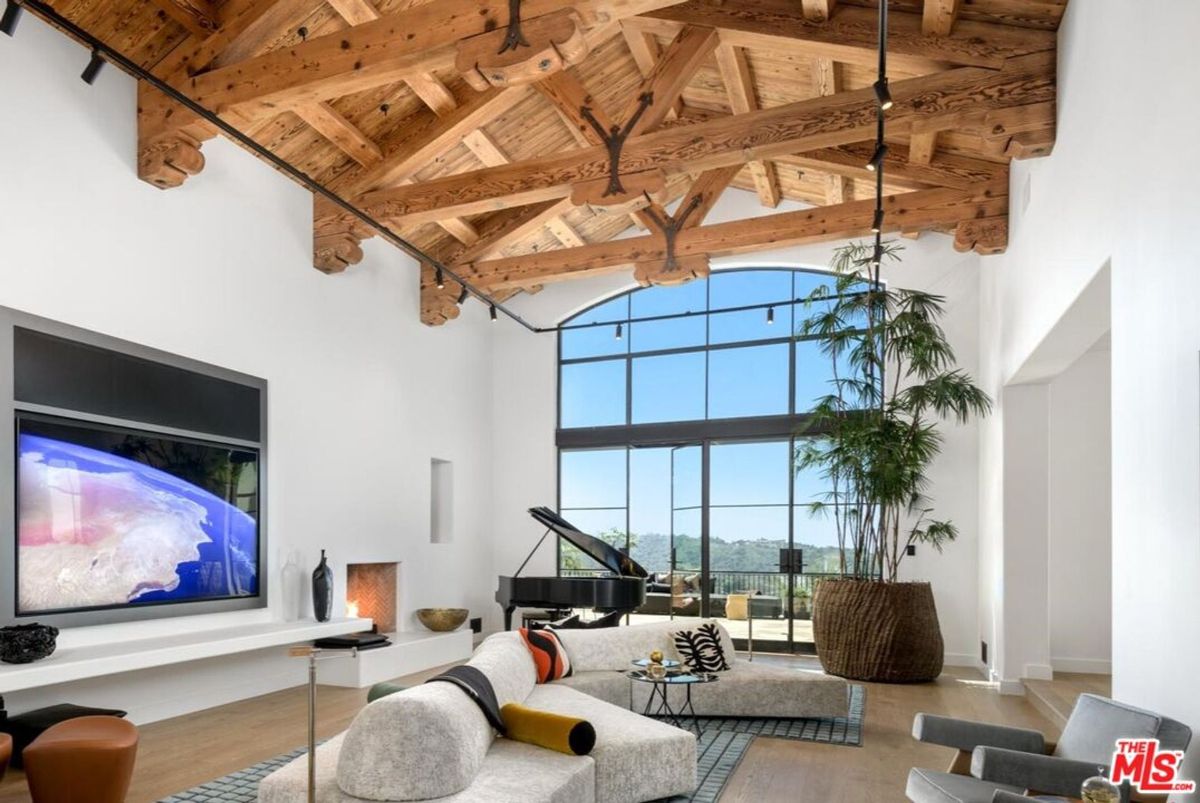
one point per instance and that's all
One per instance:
(442, 620)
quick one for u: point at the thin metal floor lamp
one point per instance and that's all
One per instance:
(315, 654)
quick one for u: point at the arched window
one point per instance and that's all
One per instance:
(678, 413)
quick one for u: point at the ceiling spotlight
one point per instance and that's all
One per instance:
(882, 93)
(439, 279)
(618, 333)
(12, 15)
(770, 315)
(877, 157)
(877, 223)
(877, 256)
(462, 294)
(93, 68)
(492, 313)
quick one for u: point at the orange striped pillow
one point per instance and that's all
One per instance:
(549, 657)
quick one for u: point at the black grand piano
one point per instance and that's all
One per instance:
(623, 591)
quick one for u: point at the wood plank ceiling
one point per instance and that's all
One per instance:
(495, 157)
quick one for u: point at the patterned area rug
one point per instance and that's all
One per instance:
(718, 756)
(721, 748)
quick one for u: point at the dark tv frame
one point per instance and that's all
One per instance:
(9, 408)
(145, 430)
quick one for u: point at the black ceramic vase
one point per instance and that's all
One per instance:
(322, 590)
(23, 644)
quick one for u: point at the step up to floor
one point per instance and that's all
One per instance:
(1056, 698)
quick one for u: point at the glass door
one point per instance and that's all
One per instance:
(665, 528)
(751, 562)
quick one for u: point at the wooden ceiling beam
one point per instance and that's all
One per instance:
(329, 123)
(839, 119)
(669, 75)
(644, 48)
(438, 136)
(818, 10)
(938, 16)
(425, 85)
(739, 86)
(851, 35)
(695, 205)
(904, 212)
(663, 85)
(827, 78)
(944, 170)
(414, 40)
(199, 17)
(491, 155)
(432, 92)
(169, 135)
(440, 304)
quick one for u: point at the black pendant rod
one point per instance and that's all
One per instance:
(48, 14)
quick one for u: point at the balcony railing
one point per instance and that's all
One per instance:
(723, 583)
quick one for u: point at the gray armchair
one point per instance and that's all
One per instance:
(999, 763)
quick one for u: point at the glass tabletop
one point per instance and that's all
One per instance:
(673, 677)
(668, 663)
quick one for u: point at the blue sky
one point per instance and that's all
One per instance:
(750, 481)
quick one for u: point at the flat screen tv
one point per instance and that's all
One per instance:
(112, 517)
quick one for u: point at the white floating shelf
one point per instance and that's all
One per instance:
(79, 663)
(408, 653)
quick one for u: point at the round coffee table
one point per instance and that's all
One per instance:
(658, 691)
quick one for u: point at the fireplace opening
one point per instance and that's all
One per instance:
(371, 592)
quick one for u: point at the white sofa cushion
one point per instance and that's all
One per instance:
(616, 647)
(512, 771)
(636, 758)
(754, 689)
(430, 741)
(425, 742)
(609, 685)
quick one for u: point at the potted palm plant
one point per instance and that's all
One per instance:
(872, 440)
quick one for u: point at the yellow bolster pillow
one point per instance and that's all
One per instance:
(570, 735)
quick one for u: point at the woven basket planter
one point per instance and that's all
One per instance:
(880, 632)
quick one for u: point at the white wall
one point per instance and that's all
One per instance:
(1079, 557)
(1119, 190)
(525, 395)
(361, 394)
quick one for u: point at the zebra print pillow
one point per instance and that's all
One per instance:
(701, 649)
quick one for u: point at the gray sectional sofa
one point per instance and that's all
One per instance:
(431, 742)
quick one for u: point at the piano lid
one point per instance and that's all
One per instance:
(603, 553)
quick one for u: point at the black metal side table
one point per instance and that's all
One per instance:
(658, 692)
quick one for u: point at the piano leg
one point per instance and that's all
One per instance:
(508, 612)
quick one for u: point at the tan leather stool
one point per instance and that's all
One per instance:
(82, 760)
(5, 753)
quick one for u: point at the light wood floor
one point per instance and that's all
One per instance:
(179, 753)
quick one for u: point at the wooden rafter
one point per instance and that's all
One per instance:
(938, 16)
(199, 17)
(818, 10)
(797, 127)
(341, 132)
(827, 78)
(916, 210)
(412, 41)
(851, 36)
(695, 205)
(739, 85)
(373, 98)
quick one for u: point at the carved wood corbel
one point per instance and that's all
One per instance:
(672, 270)
(524, 51)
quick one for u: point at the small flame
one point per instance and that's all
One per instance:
(352, 609)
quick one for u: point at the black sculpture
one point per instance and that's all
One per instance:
(322, 590)
(23, 644)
